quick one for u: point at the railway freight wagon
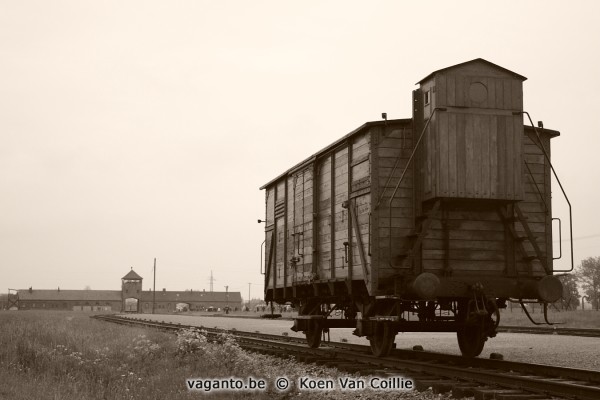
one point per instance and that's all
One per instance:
(425, 224)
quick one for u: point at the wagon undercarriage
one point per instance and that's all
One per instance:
(474, 320)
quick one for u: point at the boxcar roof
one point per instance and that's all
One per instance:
(335, 144)
(473, 61)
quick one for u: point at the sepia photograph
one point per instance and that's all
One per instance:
(299, 199)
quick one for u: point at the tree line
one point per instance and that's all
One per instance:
(585, 277)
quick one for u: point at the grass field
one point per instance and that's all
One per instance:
(66, 355)
(589, 319)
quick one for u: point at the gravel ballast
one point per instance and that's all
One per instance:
(556, 350)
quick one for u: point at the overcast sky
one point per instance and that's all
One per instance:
(138, 129)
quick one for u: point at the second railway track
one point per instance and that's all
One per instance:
(482, 378)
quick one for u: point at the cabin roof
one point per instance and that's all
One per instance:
(477, 60)
(132, 275)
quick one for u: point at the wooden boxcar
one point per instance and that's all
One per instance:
(423, 224)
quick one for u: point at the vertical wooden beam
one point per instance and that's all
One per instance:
(361, 250)
(285, 236)
(332, 218)
(446, 236)
(417, 127)
(548, 201)
(350, 253)
(315, 213)
(275, 233)
(509, 240)
(269, 260)
(377, 135)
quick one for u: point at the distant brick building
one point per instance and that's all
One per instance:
(131, 298)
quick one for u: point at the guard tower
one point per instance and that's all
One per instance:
(131, 289)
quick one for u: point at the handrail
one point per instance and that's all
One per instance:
(404, 173)
(261, 257)
(559, 240)
(559, 184)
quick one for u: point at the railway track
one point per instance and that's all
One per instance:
(542, 330)
(482, 378)
(550, 330)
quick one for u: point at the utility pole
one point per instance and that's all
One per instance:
(227, 299)
(154, 287)
(249, 295)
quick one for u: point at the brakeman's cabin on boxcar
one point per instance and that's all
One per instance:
(423, 224)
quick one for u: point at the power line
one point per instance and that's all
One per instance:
(212, 280)
(580, 238)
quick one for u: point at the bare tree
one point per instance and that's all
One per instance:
(87, 287)
(589, 276)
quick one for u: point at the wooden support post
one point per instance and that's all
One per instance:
(314, 219)
(285, 242)
(332, 218)
(509, 245)
(350, 253)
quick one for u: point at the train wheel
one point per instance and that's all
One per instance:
(382, 341)
(313, 335)
(471, 339)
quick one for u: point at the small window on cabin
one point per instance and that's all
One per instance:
(427, 97)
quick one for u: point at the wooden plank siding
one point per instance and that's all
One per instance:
(280, 232)
(340, 214)
(360, 196)
(300, 228)
(308, 211)
(476, 238)
(477, 242)
(324, 219)
(393, 220)
(473, 147)
(475, 156)
(537, 202)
